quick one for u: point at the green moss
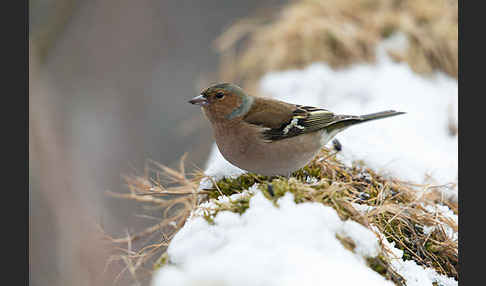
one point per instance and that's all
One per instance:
(429, 246)
(406, 255)
(380, 265)
(306, 172)
(230, 186)
(396, 231)
(275, 189)
(237, 206)
(162, 261)
(338, 186)
(209, 218)
(377, 264)
(346, 242)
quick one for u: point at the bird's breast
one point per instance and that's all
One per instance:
(244, 147)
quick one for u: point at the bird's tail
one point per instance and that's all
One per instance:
(345, 121)
(379, 115)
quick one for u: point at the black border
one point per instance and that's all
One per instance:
(471, 145)
(15, 135)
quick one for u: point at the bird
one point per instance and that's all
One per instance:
(268, 136)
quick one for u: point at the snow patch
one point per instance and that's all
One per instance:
(210, 207)
(414, 274)
(447, 213)
(363, 208)
(217, 167)
(294, 244)
(416, 147)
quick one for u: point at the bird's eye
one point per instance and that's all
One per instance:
(219, 95)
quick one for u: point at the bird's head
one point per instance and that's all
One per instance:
(223, 101)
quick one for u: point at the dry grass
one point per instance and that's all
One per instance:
(160, 188)
(340, 32)
(399, 211)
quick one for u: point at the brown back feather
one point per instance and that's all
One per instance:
(270, 113)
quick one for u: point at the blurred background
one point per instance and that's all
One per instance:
(109, 84)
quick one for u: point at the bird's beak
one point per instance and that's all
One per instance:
(199, 100)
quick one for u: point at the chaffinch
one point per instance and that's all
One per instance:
(268, 136)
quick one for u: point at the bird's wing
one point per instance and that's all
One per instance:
(282, 120)
(269, 113)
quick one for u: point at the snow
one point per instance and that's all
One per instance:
(209, 208)
(414, 147)
(414, 274)
(448, 214)
(217, 167)
(296, 244)
(363, 208)
(284, 245)
(289, 245)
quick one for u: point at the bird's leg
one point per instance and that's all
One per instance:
(270, 189)
(337, 145)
